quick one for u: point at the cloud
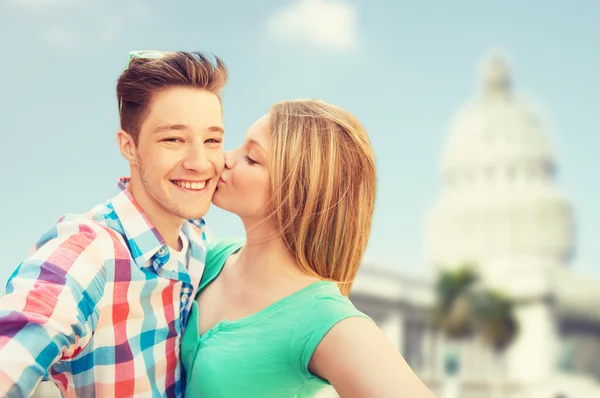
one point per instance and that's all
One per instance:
(71, 25)
(327, 24)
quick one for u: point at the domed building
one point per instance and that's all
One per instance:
(501, 211)
(499, 199)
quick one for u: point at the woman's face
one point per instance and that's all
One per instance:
(244, 185)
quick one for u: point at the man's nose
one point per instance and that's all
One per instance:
(229, 159)
(196, 159)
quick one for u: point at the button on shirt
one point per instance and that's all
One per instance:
(98, 308)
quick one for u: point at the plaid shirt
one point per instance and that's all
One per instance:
(98, 309)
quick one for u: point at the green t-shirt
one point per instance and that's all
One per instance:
(265, 354)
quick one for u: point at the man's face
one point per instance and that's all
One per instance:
(179, 155)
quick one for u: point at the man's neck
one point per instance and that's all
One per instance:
(169, 230)
(167, 224)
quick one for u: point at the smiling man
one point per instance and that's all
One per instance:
(100, 305)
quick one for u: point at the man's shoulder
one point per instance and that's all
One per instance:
(77, 246)
(89, 229)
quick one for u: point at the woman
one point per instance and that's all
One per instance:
(275, 320)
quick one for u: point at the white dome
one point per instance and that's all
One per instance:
(496, 131)
(499, 199)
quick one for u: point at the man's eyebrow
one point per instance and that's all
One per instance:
(182, 127)
(170, 127)
(216, 129)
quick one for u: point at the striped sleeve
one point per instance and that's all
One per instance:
(50, 307)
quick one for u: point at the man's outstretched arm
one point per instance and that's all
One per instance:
(50, 307)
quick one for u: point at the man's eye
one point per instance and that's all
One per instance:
(172, 139)
(213, 141)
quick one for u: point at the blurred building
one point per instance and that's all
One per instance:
(499, 209)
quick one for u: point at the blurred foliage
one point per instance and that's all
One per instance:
(464, 308)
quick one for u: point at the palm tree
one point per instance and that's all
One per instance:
(464, 308)
(452, 310)
(493, 313)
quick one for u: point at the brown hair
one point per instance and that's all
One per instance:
(146, 76)
(323, 184)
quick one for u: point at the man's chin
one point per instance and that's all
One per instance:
(195, 213)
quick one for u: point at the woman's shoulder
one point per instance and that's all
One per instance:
(219, 249)
(220, 244)
(326, 308)
(327, 303)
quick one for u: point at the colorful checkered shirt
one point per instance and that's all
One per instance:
(98, 308)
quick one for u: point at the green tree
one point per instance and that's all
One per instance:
(464, 308)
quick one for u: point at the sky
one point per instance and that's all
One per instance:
(403, 68)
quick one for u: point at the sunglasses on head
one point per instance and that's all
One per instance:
(151, 54)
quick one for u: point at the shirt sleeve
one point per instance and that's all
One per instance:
(50, 309)
(318, 317)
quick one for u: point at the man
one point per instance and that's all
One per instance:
(100, 305)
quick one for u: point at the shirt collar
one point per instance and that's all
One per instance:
(143, 238)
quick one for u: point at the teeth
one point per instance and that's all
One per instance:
(191, 185)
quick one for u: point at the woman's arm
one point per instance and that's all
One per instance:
(360, 361)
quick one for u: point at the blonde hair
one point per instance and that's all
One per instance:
(323, 185)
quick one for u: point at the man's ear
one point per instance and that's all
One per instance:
(127, 146)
